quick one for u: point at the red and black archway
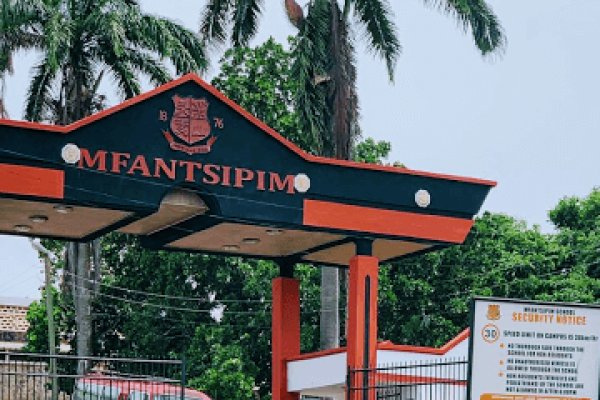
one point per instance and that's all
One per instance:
(187, 169)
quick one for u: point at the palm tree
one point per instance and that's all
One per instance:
(325, 65)
(6, 61)
(81, 41)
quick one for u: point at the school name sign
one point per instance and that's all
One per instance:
(532, 351)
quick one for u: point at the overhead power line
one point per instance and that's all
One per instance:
(166, 296)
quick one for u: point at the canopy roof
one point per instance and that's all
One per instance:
(187, 169)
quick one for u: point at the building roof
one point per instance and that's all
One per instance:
(16, 301)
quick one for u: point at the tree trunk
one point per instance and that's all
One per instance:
(97, 270)
(83, 292)
(330, 318)
(83, 315)
(330, 280)
(343, 103)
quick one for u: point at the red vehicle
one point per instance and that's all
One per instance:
(103, 387)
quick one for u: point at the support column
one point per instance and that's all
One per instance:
(362, 319)
(285, 333)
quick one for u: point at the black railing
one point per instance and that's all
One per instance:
(62, 377)
(419, 380)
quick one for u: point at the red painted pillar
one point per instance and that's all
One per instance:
(285, 333)
(362, 321)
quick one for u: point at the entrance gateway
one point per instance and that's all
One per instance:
(187, 169)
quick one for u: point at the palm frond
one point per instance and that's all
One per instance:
(342, 98)
(186, 47)
(477, 16)
(376, 17)
(39, 91)
(57, 36)
(6, 65)
(82, 86)
(121, 70)
(169, 40)
(146, 64)
(245, 21)
(76, 36)
(148, 32)
(112, 26)
(94, 101)
(310, 61)
(214, 21)
(16, 22)
(126, 79)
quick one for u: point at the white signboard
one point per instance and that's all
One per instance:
(534, 351)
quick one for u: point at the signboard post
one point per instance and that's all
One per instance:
(522, 350)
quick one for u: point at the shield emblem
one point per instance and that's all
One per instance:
(493, 312)
(190, 119)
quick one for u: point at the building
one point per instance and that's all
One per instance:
(13, 323)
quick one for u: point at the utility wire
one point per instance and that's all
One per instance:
(163, 307)
(165, 296)
(159, 318)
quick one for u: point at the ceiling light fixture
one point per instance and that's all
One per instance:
(231, 247)
(38, 219)
(61, 209)
(274, 232)
(251, 240)
(22, 228)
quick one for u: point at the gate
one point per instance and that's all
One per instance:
(419, 380)
(63, 377)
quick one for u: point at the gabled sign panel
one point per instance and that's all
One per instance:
(188, 169)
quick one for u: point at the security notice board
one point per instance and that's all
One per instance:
(521, 350)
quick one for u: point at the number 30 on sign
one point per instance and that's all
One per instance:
(490, 333)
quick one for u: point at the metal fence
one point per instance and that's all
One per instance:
(424, 380)
(62, 377)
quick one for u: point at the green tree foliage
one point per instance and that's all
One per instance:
(222, 375)
(37, 334)
(325, 57)
(501, 257)
(371, 151)
(578, 224)
(578, 214)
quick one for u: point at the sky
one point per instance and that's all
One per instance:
(528, 119)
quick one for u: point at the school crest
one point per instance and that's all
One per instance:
(190, 124)
(493, 312)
